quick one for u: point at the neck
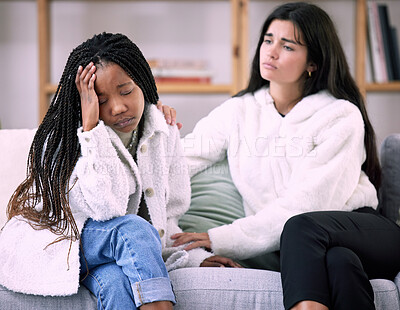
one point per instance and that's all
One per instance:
(285, 98)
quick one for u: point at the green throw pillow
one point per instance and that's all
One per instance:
(215, 200)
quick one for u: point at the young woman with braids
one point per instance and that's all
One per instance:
(102, 156)
(301, 152)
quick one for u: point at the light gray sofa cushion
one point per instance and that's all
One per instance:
(84, 300)
(225, 288)
(238, 289)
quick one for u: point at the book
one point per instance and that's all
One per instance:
(188, 80)
(376, 45)
(180, 71)
(396, 54)
(386, 39)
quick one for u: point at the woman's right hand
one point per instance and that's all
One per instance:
(85, 78)
(169, 114)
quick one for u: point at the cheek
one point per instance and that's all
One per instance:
(102, 112)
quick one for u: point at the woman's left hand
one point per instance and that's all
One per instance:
(198, 240)
(219, 261)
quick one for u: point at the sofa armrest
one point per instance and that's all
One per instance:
(389, 194)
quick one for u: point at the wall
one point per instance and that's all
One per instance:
(158, 30)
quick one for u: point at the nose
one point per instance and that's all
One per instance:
(272, 51)
(117, 107)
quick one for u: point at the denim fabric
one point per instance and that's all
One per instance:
(125, 265)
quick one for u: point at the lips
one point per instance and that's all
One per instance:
(267, 65)
(124, 122)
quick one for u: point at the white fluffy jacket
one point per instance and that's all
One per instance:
(306, 161)
(105, 183)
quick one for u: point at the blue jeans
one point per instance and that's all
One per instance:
(126, 269)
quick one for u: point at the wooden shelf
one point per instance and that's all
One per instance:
(238, 51)
(166, 88)
(361, 55)
(383, 87)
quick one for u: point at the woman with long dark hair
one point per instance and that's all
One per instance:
(302, 154)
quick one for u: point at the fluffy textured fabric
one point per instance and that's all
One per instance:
(306, 161)
(106, 183)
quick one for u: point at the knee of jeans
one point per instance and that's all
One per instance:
(136, 223)
(340, 258)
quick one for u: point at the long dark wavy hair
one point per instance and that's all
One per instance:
(317, 31)
(55, 148)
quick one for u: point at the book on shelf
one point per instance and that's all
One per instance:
(396, 53)
(377, 54)
(383, 44)
(386, 39)
(180, 71)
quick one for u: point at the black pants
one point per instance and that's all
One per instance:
(329, 257)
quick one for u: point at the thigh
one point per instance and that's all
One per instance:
(130, 234)
(372, 237)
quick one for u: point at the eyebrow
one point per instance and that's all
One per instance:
(124, 84)
(282, 39)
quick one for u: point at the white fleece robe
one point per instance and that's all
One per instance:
(105, 183)
(308, 160)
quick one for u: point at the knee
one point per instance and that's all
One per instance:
(298, 226)
(342, 260)
(134, 226)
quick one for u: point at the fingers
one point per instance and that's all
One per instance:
(85, 80)
(198, 240)
(159, 105)
(206, 263)
(220, 260)
(85, 77)
(182, 238)
(198, 244)
(169, 114)
(77, 78)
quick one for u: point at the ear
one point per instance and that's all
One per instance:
(311, 67)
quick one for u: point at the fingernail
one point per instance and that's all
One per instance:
(168, 121)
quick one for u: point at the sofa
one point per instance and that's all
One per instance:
(200, 288)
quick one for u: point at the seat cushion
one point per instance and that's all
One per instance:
(226, 289)
(84, 300)
(389, 194)
(238, 289)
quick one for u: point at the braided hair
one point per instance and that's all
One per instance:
(55, 148)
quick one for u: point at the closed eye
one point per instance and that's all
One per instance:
(126, 92)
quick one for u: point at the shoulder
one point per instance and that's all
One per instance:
(327, 107)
